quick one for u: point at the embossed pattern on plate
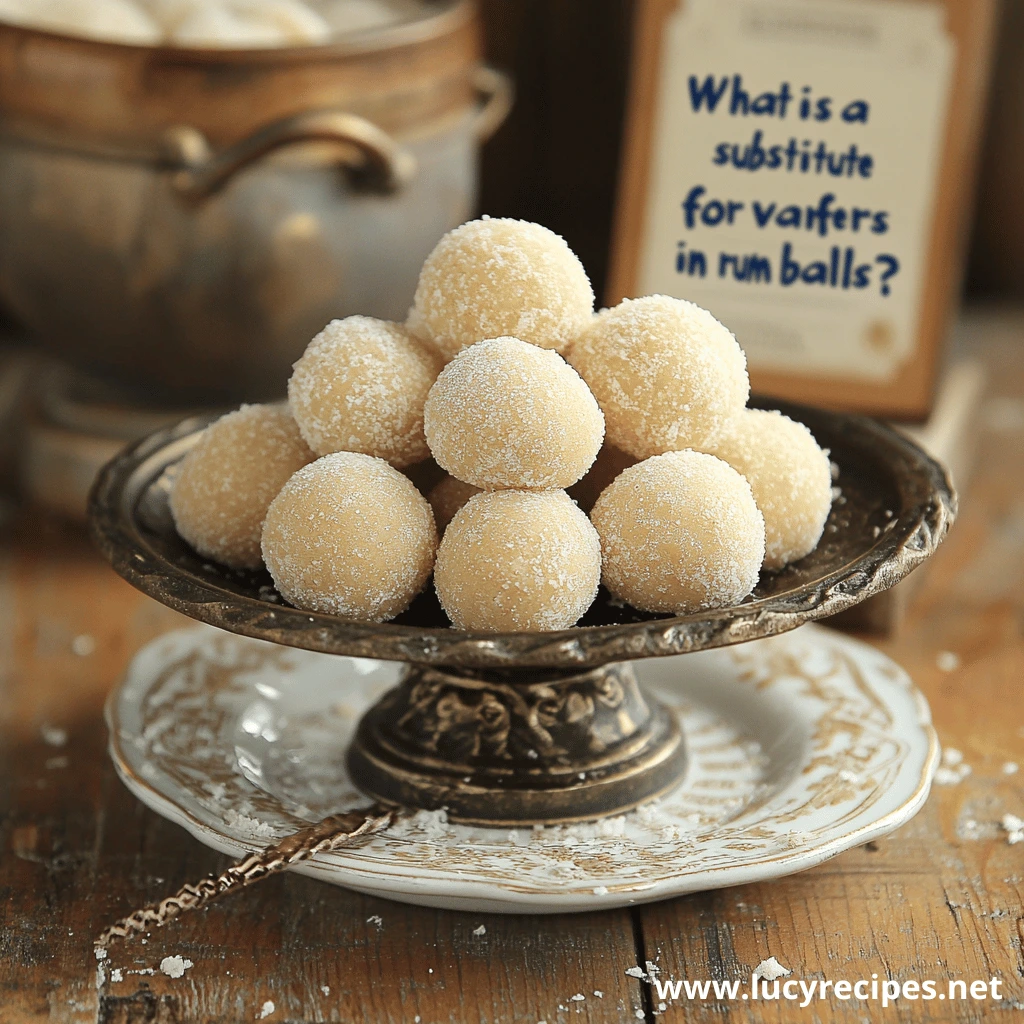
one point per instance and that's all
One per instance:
(801, 746)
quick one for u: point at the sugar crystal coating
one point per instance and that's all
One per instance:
(679, 533)
(360, 387)
(494, 277)
(447, 497)
(518, 561)
(505, 414)
(666, 373)
(227, 481)
(351, 536)
(789, 475)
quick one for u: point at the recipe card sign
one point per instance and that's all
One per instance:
(784, 166)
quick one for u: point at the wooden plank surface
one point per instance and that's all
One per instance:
(80, 851)
(941, 898)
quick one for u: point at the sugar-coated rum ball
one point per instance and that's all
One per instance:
(226, 482)
(507, 414)
(495, 277)
(522, 561)
(791, 478)
(360, 387)
(666, 373)
(679, 533)
(351, 536)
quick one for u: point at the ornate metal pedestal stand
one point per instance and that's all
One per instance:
(520, 748)
(522, 727)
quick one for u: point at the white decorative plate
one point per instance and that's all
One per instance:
(801, 746)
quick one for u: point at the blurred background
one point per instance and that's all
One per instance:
(175, 224)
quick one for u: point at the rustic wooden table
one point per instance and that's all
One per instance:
(939, 899)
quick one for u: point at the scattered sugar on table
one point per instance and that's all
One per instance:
(52, 735)
(1014, 828)
(175, 966)
(770, 970)
(952, 769)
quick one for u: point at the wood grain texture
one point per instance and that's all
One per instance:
(80, 851)
(937, 899)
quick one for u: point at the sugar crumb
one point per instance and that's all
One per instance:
(1013, 827)
(953, 769)
(83, 645)
(770, 969)
(175, 966)
(53, 735)
(266, 1009)
(481, 930)
(947, 661)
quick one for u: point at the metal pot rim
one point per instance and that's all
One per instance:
(448, 16)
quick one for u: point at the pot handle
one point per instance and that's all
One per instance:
(378, 161)
(496, 94)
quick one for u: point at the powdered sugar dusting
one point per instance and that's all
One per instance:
(790, 476)
(225, 484)
(360, 387)
(329, 548)
(680, 532)
(666, 373)
(496, 276)
(518, 560)
(508, 414)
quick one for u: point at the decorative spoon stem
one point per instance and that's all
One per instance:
(331, 833)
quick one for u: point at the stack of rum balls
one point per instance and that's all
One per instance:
(539, 412)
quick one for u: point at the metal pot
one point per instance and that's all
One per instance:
(186, 220)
